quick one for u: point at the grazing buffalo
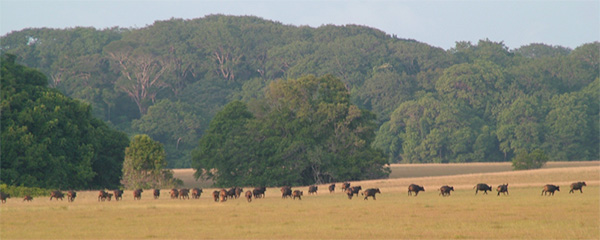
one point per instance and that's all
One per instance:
(184, 193)
(238, 192)
(445, 190)
(249, 196)
(156, 193)
(27, 198)
(137, 194)
(286, 192)
(577, 186)
(102, 195)
(370, 193)
(4, 196)
(331, 188)
(349, 193)
(71, 195)
(259, 192)
(482, 187)
(297, 194)
(345, 186)
(502, 189)
(118, 194)
(415, 188)
(223, 195)
(550, 189)
(216, 195)
(312, 189)
(57, 195)
(174, 193)
(196, 192)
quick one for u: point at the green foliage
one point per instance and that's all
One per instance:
(50, 140)
(144, 165)
(304, 131)
(529, 160)
(20, 191)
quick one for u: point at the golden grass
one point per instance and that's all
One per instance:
(394, 215)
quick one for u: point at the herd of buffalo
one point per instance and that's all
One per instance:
(259, 192)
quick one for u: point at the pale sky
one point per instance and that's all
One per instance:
(437, 23)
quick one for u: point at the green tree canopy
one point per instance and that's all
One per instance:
(144, 165)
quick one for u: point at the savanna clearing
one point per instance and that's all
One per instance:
(521, 214)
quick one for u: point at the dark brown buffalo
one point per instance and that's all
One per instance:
(137, 194)
(27, 198)
(174, 193)
(71, 195)
(345, 186)
(286, 192)
(355, 189)
(216, 195)
(549, 188)
(313, 189)
(577, 186)
(502, 189)
(184, 193)
(370, 193)
(297, 194)
(118, 194)
(482, 187)
(231, 193)
(4, 196)
(249, 196)
(349, 193)
(238, 192)
(331, 188)
(223, 195)
(156, 193)
(445, 190)
(196, 192)
(57, 195)
(415, 188)
(102, 195)
(259, 192)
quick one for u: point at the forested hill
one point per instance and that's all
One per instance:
(475, 102)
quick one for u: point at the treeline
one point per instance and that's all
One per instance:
(474, 102)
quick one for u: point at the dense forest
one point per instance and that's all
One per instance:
(475, 102)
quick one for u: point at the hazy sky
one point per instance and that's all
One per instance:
(437, 23)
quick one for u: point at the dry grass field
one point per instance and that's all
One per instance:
(523, 214)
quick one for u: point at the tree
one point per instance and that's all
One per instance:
(525, 160)
(144, 165)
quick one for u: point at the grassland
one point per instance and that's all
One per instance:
(394, 215)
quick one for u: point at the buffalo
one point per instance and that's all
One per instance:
(482, 187)
(331, 188)
(249, 196)
(445, 190)
(355, 190)
(345, 186)
(297, 194)
(231, 193)
(71, 195)
(238, 192)
(109, 196)
(174, 193)
(57, 195)
(223, 195)
(349, 193)
(102, 195)
(286, 192)
(118, 194)
(216, 195)
(312, 189)
(137, 194)
(549, 188)
(27, 198)
(370, 193)
(259, 192)
(4, 196)
(502, 189)
(577, 186)
(196, 192)
(415, 188)
(156, 193)
(184, 193)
